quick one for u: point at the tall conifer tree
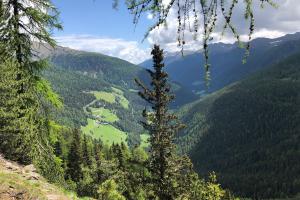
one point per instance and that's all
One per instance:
(164, 164)
(86, 153)
(25, 24)
(74, 170)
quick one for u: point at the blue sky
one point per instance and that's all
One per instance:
(97, 17)
(93, 25)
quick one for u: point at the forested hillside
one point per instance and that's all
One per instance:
(94, 86)
(99, 93)
(249, 133)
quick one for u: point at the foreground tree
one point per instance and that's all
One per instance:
(16, 130)
(169, 172)
(75, 159)
(23, 25)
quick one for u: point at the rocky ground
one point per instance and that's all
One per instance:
(24, 183)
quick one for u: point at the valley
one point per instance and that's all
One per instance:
(150, 100)
(110, 110)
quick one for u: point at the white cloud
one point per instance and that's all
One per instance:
(269, 22)
(126, 50)
(150, 16)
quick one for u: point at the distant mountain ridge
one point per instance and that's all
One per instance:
(226, 62)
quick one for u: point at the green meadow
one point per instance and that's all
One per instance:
(116, 96)
(106, 132)
(104, 114)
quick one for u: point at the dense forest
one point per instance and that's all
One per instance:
(248, 133)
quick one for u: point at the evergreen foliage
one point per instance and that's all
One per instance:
(75, 159)
(248, 133)
(108, 191)
(28, 136)
(171, 176)
(18, 118)
(29, 133)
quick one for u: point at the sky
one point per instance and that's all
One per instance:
(93, 25)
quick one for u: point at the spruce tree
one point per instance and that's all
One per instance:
(16, 132)
(22, 25)
(87, 160)
(74, 165)
(166, 170)
(27, 22)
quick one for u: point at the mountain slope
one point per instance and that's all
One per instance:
(100, 94)
(78, 77)
(249, 133)
(110, 69)
(226, 62)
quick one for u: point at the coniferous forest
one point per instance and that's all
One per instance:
(221, 122)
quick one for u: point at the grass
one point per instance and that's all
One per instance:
(118, 91)
(116, 96)
(104, 114)
(144, 140)
(105, 96)
(123, 101)
(37, 189)
(19, 183)
(107, 133)
(133, 90)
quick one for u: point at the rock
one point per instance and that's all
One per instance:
(33, 176)
(12, 167)
(29, 169)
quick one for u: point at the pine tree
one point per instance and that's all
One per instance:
(16, 132)
(87, 160)
(109, 191)
(74, 165)
(27, 22)
(98, 160)
(23, 24)
(164, 165)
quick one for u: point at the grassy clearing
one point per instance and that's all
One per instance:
(117, 96)
(117, 91)
(104, 114)
(144, 140)
(123, 101)
(133, 90)
(105, 96)
(107, 133)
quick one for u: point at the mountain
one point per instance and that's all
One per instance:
(169, 57)
(226, 62)
(249, 132)
(99, 93)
